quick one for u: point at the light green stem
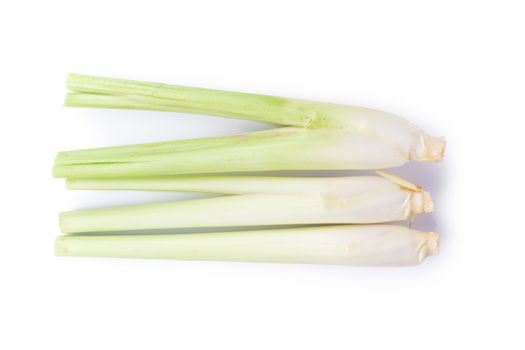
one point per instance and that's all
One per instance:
(91, 91)
(283, 149)
(224, 184)
(369, 245)
(142, 152)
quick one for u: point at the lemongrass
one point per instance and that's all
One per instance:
(317, 135)
(259, 201)
(221, 184)
(365, 245)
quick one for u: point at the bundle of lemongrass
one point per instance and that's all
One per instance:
(313, 136)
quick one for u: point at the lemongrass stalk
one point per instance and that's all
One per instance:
(364, 245)
(325, 186)
(92, 91)
(319, 135)
(260, 201)
(142, 151)
(280, 149)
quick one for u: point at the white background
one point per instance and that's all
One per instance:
(455, 68)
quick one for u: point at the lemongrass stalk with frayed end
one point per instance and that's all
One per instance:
(365, 245)
(317, 135)
(260, 201)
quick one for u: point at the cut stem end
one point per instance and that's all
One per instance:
(429, 149)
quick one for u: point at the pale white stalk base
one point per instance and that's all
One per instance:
(364, 245)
